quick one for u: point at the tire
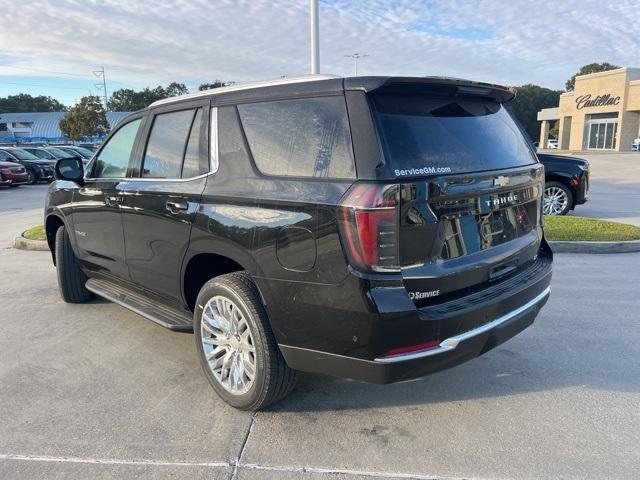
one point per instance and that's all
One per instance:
(235, 296)
(557, 200)
(31, 177)
(71, 279)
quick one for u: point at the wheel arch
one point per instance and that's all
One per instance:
(564, 180)
(202, 263)
(51, 225)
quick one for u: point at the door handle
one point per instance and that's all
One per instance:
(113, 200)
(176, 207)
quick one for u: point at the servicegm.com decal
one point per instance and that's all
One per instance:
(421, 171)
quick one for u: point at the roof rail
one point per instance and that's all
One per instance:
(245, 86)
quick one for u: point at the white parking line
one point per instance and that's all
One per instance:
(108, 461)
(248, 466)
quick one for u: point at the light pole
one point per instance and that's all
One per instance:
(314, 34)
(356, 57)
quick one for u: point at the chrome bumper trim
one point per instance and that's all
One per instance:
(452, 342)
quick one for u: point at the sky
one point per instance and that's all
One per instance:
(52, 48)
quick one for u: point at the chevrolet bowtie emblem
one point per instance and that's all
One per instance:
(501, 181)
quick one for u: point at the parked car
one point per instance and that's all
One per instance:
(552, 143)
(37, 169)
(63, 153)
(42, 153)
(13, 174)
(566, 183)
(329, 225)
(90, 146)
(72, 150)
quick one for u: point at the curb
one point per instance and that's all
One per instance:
(595, 247)
(22, 243)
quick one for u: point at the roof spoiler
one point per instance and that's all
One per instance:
(441, 86)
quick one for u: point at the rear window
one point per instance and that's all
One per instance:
(434, 136)
(301, 138)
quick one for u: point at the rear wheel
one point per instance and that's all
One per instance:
(557, 199)
(237, 349)
(71, 279)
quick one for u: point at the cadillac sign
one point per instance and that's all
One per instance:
(600, 101)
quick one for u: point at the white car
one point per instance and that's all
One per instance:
(552, 143)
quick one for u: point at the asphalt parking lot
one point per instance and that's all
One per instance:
(95, 391)
(614, 193)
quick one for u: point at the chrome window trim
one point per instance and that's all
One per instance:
(213, 160)
(452, 342)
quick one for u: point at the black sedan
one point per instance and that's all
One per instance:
(566, 183)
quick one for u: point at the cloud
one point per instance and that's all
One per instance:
(155, 42)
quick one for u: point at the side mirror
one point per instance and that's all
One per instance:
(70, 169)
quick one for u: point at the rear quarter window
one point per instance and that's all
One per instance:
(300, 138)
(424, 136)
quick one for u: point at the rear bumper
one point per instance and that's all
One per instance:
(490, 322)
(451, 352)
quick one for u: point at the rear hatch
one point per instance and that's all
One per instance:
(469, 192)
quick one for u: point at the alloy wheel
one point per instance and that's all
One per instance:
(228, 345)
(31, 179)
(555, 201)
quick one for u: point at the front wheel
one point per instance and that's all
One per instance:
(236, 346)
(557, 199)
(71, 279)
(31, 177)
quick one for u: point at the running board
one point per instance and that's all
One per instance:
(165, 316)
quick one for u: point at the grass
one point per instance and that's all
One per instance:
(35, 233)
(588, 229)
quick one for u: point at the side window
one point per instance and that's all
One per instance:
(192, 166)
(305, 138)
(167, 144)
(113, 160)
(5, 156)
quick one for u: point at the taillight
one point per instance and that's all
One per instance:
(369, 215)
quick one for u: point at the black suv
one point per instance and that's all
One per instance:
(377, 228)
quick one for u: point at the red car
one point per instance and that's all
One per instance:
(12, 174)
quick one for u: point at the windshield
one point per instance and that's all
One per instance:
(57, 152)
(23, 155)
(428, 135)
(40, 153)
(84, 151)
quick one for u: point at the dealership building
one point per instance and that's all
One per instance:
(602, 113)
(40, 126)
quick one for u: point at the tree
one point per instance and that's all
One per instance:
(128, 100)
(528, 101)
(174, 89)
(23, 102)
(216, 83)
(86, 118)
(586, 69)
